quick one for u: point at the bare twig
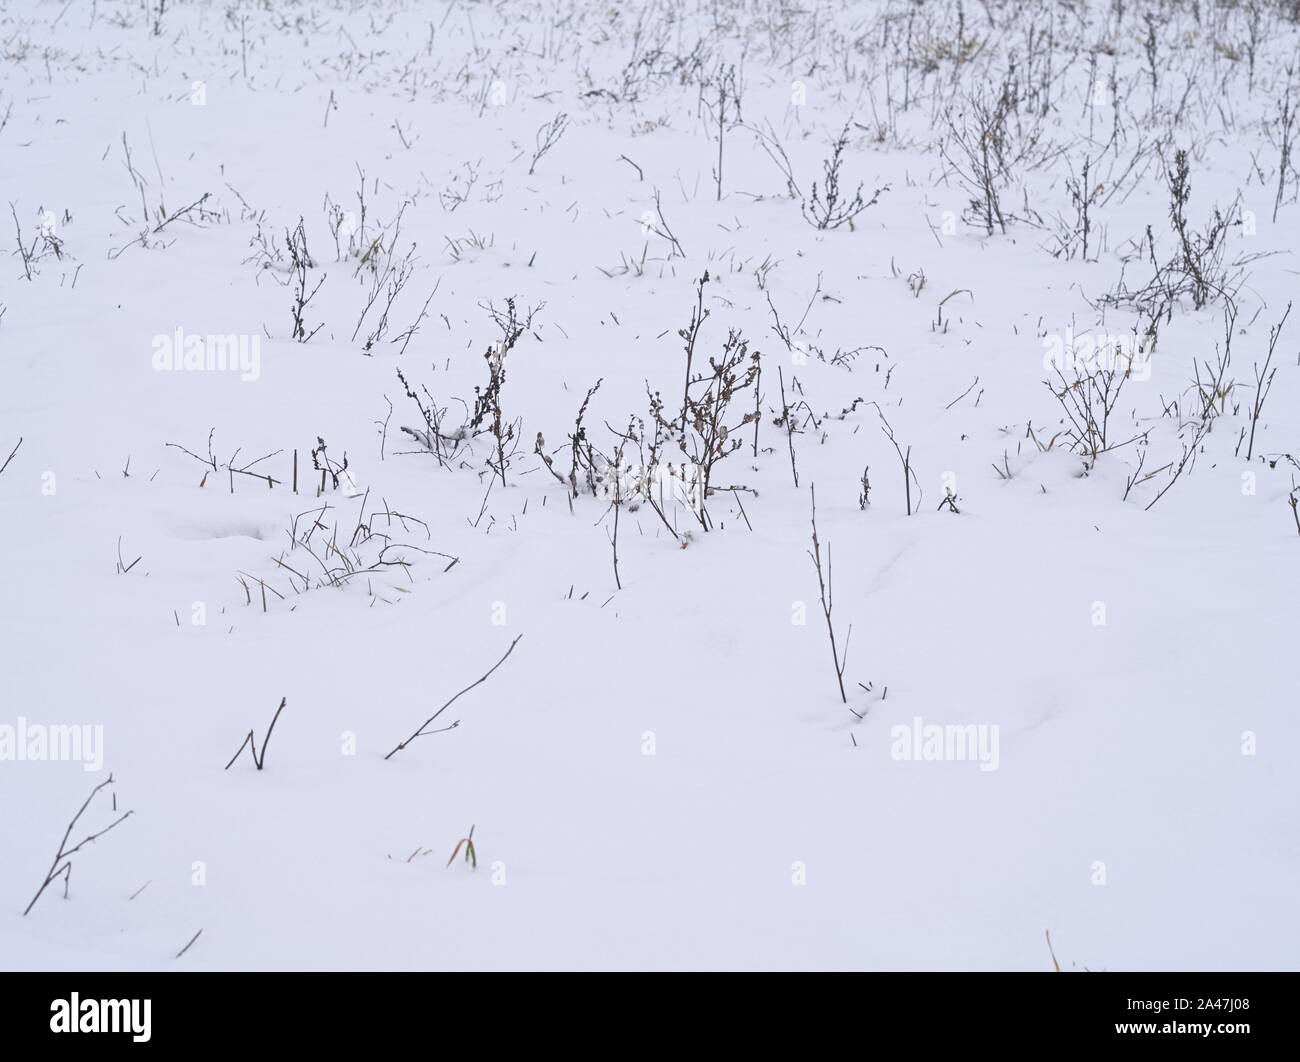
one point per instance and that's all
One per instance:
(11, 454)
(827, 594)
(421, 731)
(250, 740)
(62, 866)
(190, 944)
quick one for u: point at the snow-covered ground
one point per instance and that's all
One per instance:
(1093, 597)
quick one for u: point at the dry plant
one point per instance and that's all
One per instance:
(983, 145)
(706, 430)
(828, 207)
(1263, 380)
(250, 741)
(332, 556)
(300, 261)
(1211, 390)
(245, 468)
(421, 730)
(904, 459)
(486, 415)
(442, 442)
(466, 842)
(1199, 269)
(826, 595)
(1088, 398)
(11, 454)
(61, 866)
(548, 135)
(720, 97)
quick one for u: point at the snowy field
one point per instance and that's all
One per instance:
(361, 351)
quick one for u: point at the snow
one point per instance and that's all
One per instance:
(662, 775)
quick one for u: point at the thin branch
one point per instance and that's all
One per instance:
(421, 732)
(61, 866)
